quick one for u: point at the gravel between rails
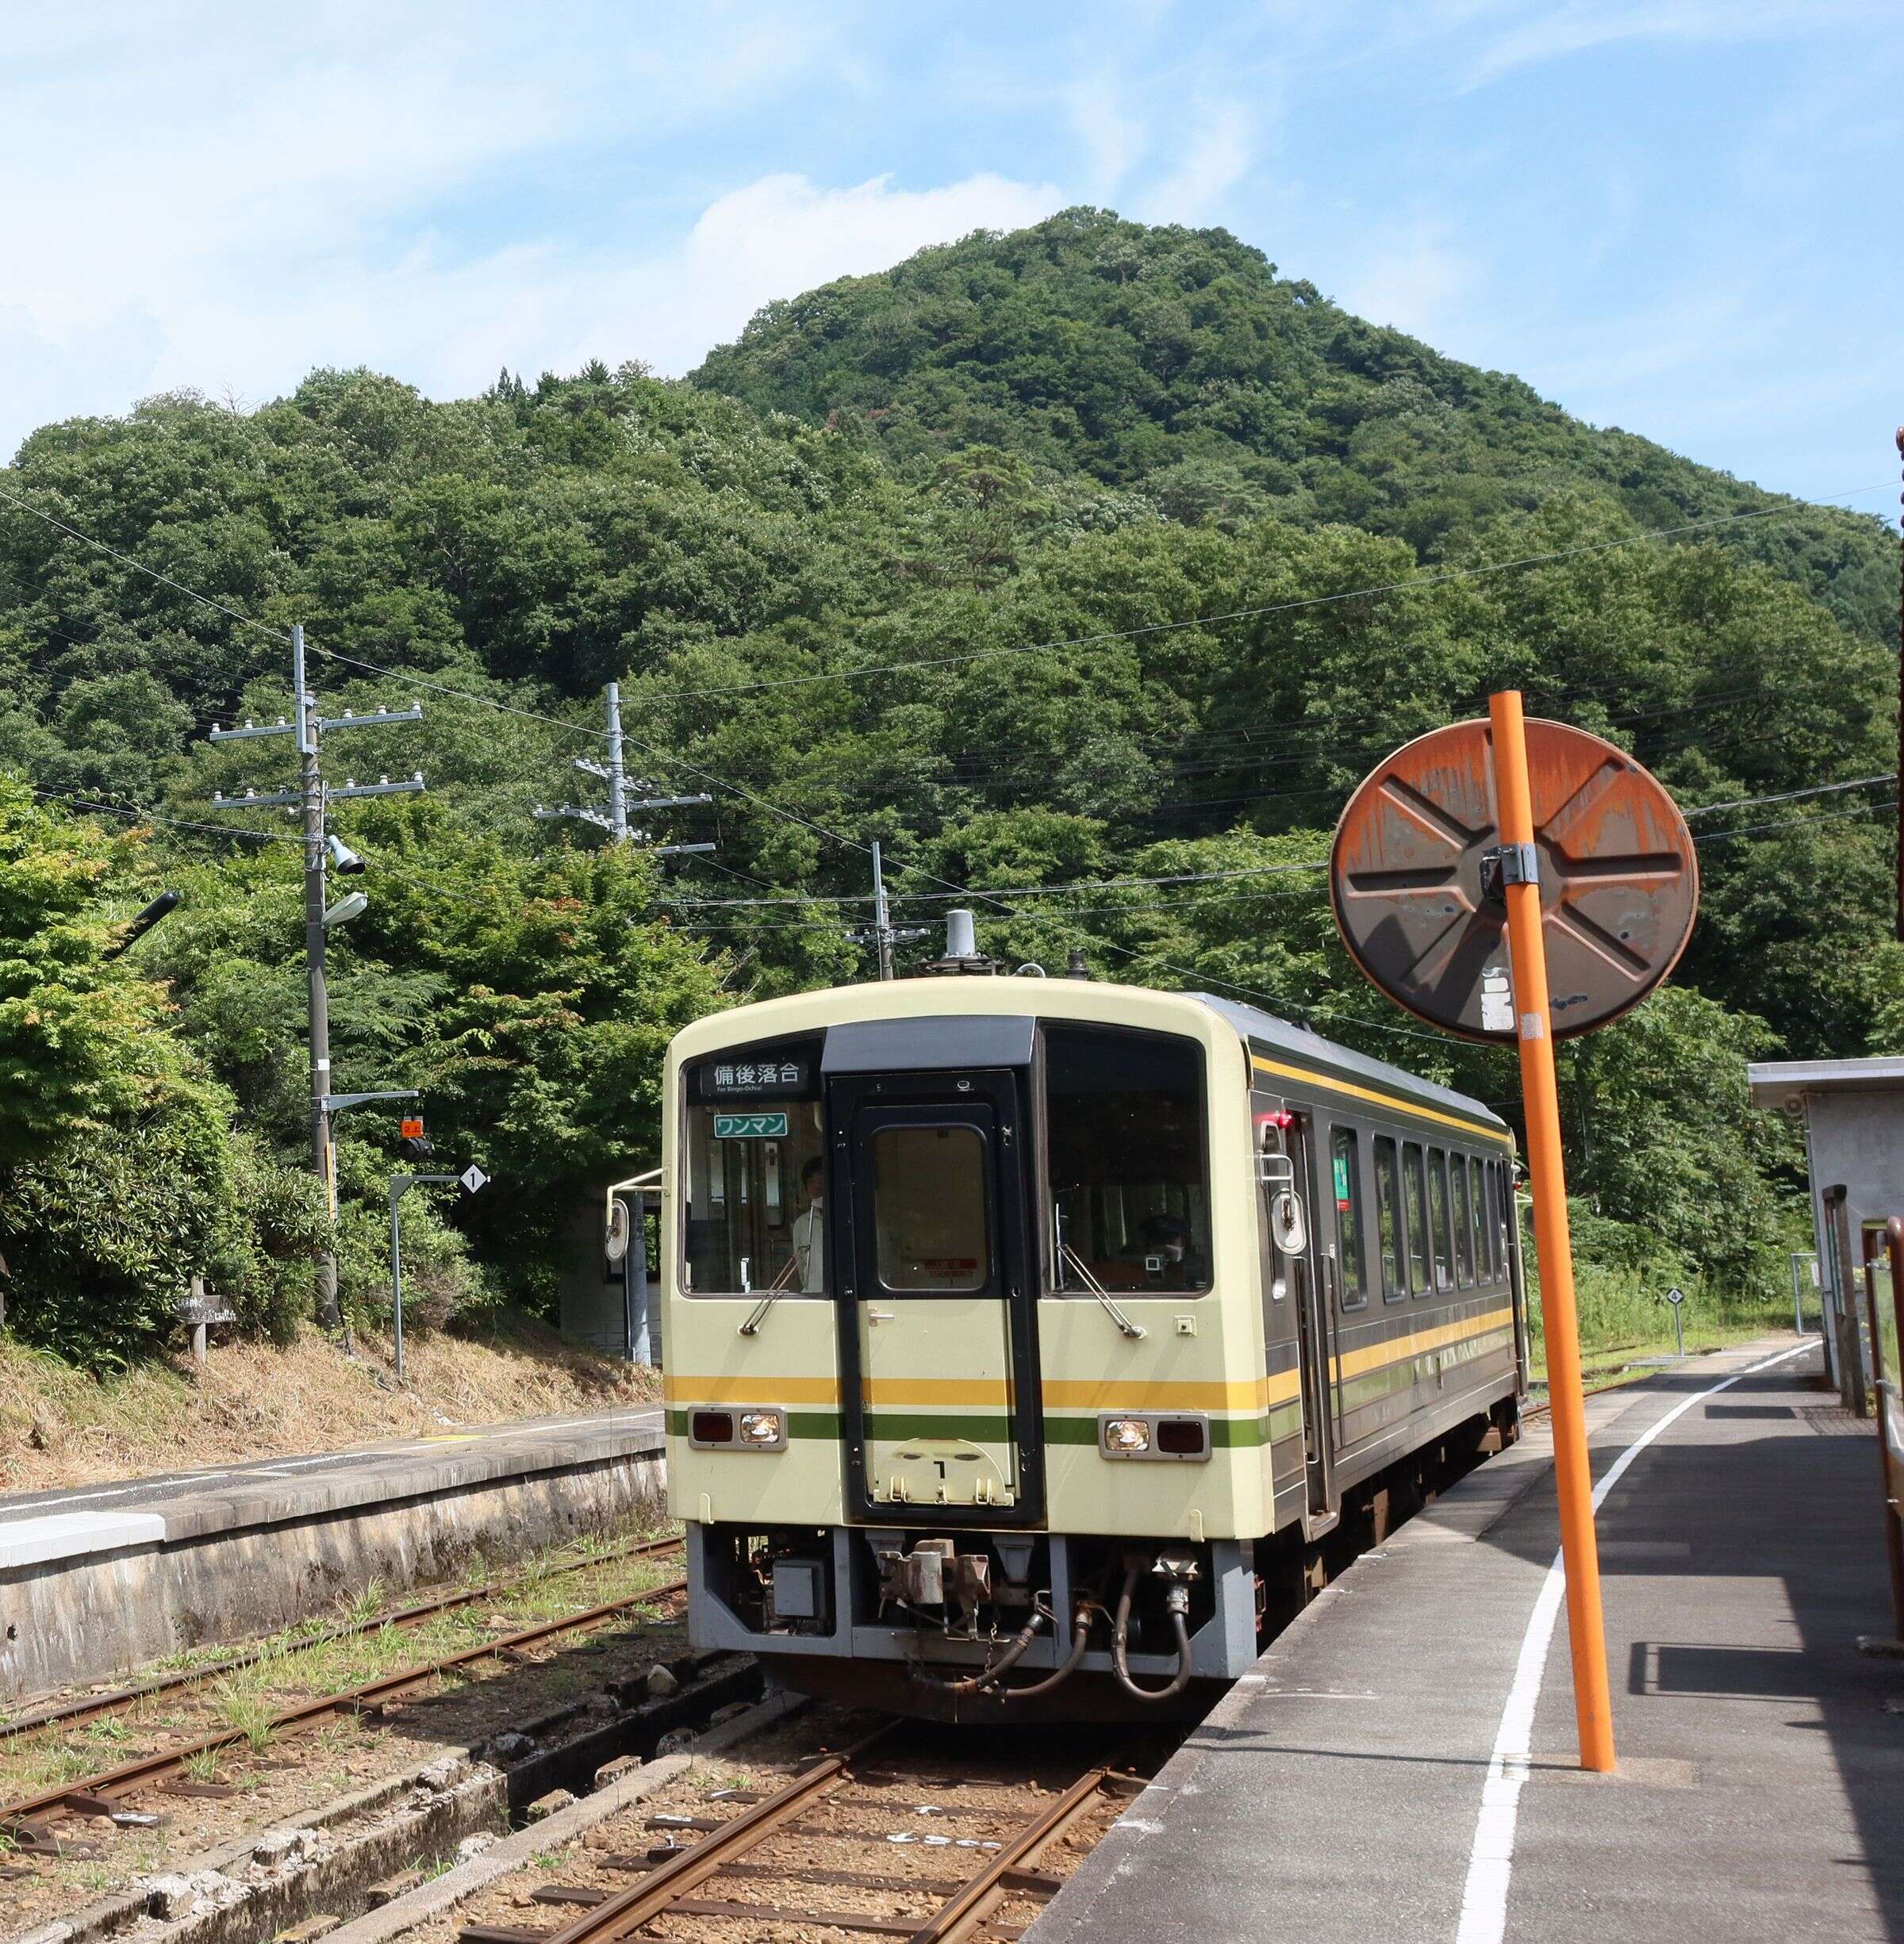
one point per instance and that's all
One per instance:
(920, 1813)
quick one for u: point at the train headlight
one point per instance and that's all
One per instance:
(1126, 1437)
(766, 1431)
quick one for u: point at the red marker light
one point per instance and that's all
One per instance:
(1278, 1118)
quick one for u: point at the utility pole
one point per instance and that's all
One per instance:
(882, 922)
(312, 799)
(883, 934)
(622, 798)
(1898, 827)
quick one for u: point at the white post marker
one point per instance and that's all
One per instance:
(1676, 1297)
(1484, 1919)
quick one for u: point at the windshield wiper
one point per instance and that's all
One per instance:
(776, 1290)
(1067, 1253)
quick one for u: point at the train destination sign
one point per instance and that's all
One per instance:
(1419, 872)
(750, 1126)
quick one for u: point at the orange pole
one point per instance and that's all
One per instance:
(1547, 1175)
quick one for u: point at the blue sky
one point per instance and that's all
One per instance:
(1680, 217)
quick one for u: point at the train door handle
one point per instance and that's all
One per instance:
(880, 1316)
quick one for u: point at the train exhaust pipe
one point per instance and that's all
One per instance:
(961, 935)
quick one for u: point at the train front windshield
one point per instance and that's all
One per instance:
(1126, 1191)
(1129, 1174)
(754, 1145)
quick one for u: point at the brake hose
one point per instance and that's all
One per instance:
(1080, 1645)
(1015, 1649)
(1179, 1601)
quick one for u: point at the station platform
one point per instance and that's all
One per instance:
(1401, 1763)
(99, 1579)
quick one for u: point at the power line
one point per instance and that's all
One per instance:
(1789, 823)
(1258, 613)
(191, 593)
(461, 695)
(153, 816)
(1788, 796)
(246, 620)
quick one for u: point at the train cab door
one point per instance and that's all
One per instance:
(939, 1394)
(1294, 1248)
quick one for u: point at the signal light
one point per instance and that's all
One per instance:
(414, 1144)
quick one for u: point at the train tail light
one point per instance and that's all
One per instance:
(1183, 1437)
(1154, 1435)
(753, 1430)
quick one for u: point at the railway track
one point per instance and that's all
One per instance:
(29, 1824)
(92, 1707)
(761, 1870)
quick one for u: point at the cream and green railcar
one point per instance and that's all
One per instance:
(1025, 1338)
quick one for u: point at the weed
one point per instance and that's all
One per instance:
(202, 1764)
(243, 1704)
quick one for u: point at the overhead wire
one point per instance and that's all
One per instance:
(1410, 586)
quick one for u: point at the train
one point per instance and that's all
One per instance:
(1032, 1342)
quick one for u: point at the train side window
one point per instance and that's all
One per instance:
(1388, 1217)
(1415, 1181)
(1345, 1164)
(1486, 1269)
(1437, 1218)
(1464, 1222)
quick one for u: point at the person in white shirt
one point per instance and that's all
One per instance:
(810, 1230)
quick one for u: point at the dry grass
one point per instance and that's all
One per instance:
(59, 1426)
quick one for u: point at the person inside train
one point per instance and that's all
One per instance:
(1171, 1262)
(810, 1227)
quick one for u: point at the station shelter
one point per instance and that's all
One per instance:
(1852, 1112)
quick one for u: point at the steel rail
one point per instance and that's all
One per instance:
(94, 1705)
(624, 1913)
(95, 1795)
(962, 1914)
(668, 1889)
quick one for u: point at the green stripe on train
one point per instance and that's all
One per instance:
(1226, 1433)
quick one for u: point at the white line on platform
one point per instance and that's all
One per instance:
(1484, 1919)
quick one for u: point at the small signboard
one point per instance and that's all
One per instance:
(750, 1126)
(472, 1178)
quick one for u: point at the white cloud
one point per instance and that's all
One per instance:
(448, 322)
(220, 198)
(1212, 162)
(782, 234)
(1415, 280)
(1552, 33)
(1114, 140)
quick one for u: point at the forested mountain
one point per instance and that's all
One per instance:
(1086, 555)
(1178, 362)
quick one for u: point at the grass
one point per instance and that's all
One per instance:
(292, 1665)
(243, 1702)
(1625, 1319)
(62, 1425)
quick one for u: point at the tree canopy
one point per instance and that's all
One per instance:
(1086, 568)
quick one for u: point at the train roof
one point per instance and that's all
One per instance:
(891, 1008)
(1255, 1026)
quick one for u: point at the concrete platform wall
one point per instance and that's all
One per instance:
(201, 1572)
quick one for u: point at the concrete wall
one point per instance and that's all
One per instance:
(230, 1565)
(591, 1308)
(1857, 1139)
